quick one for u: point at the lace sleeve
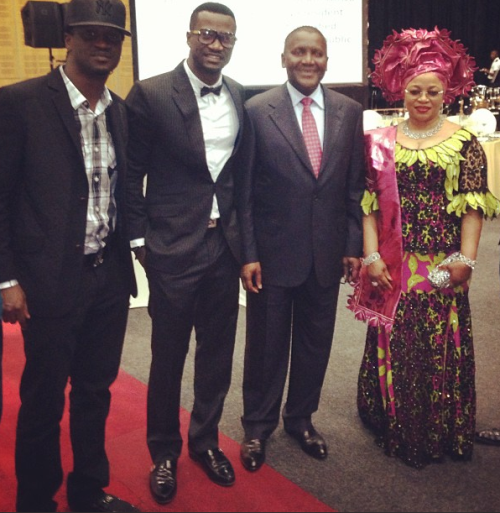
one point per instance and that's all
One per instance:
(473, 169)
(472, 190)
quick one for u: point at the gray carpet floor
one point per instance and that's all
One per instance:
(357, 476)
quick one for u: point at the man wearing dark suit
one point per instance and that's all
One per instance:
(66, 270)
(186, 128)
(308, 179)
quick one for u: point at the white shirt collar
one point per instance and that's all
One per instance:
(196, 83)
(296, 96)
(78, 100)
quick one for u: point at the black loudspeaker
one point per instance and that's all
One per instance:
(43, 25)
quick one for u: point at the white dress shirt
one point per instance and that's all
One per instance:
(495, 68)
(317, 108)
(220, 124)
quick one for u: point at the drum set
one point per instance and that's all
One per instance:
(484, 97)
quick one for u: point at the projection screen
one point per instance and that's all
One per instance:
(262, 28)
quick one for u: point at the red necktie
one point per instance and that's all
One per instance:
(311, 136)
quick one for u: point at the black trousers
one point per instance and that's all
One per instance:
(281, 321)
(205, 298)
(85, 347)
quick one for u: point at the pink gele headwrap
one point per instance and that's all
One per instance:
(413, 52)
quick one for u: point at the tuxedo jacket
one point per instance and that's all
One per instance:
(166, 143)
(44, 193)
(297, 222)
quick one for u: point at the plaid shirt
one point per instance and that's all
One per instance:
(100, 165)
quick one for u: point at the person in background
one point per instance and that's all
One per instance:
(304, 234)
(493, 71)
(426, 197)
(66, 271)
(186, 131)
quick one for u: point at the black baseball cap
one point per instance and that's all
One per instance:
(104, 13)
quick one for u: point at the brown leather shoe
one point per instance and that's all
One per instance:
(253, 454)
(311, 442)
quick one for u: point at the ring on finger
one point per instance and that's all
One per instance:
(374, 284)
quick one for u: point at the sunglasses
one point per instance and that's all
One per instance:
(418, 93)
(90, 35)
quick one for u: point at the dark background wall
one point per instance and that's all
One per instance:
(475, 22)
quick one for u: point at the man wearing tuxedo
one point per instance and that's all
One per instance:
(186, 130)
(307, 167)
(66, 271)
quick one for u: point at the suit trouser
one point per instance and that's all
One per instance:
(205, 297)
(280, 320)
(84, 346)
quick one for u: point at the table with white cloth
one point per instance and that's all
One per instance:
(492, 149)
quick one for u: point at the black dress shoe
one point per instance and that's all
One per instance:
(311, 442)
(215, 464)
(102, 502)
(253, 454)
(163, 481)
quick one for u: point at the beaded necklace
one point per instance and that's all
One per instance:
(422, 135)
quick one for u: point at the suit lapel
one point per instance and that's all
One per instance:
(285, 119)
(185, 100)
(64, 108)
(116, 119)
(238, 103)
(334, 115)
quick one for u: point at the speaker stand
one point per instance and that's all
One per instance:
(52, 59)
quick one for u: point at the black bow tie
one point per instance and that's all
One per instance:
(207, 90)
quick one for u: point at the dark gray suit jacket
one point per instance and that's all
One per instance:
(166, 143)
(298, 222)
(44, 193)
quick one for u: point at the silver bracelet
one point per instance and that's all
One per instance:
(369, 260)
(458, 257)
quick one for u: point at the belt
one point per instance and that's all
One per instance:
(213, 223)
(96, 259)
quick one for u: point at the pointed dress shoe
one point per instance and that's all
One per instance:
(311, 442)
(102, 502)
(253, 454)
(163, 481)
(215, 464)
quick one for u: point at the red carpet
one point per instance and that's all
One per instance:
(266, 490)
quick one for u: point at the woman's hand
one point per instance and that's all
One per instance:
(379, 275)
(459, 273)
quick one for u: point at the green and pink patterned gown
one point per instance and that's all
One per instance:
(416, 387)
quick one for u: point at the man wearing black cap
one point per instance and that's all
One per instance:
(66, 271)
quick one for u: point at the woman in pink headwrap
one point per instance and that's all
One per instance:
(424, 205)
